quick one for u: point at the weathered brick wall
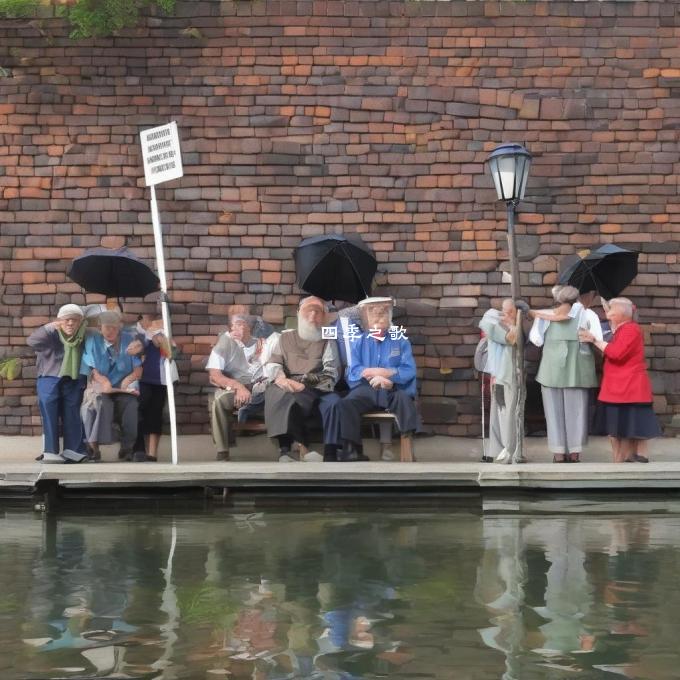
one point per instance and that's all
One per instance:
(302, 117)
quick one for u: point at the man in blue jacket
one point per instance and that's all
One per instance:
(382, 375)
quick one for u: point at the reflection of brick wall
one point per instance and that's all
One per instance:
(303, 117)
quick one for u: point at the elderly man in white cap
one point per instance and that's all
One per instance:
(114, 388)
(304, 369)
(60, 386)
(382, 374)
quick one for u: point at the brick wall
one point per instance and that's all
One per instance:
(301, 117)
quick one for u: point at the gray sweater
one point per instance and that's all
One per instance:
(47, 345)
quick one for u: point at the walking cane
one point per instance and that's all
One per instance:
(485, 458)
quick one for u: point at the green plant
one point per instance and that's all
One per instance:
(18, 9)
(10, 368)
(100, 18)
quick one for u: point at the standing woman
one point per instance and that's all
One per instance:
(566, 375)
(624, 405)
(59, 346)
(152, 389)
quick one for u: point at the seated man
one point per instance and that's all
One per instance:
(241, 329)
(382, 375)
(304, 369)
(113, 388)
(348, 325)
(233, 375)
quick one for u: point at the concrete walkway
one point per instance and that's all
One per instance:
(443, 462)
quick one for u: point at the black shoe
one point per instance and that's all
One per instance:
(94, 455)
(222, 455)
(330, 453)
(125, 455)
(350, 454)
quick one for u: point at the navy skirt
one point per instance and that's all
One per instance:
(626, 421)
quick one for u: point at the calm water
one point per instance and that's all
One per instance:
(318, 592)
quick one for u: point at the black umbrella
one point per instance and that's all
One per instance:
(335, 267)
(115, 273)
(607, 270)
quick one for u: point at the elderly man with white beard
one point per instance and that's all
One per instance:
(304, 369)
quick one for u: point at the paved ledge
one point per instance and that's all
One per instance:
(585, 476)
(443, 463)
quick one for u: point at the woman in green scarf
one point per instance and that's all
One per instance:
(60, 386)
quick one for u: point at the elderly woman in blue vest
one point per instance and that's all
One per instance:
(566, 372)
(382, 374)
(114, 387)
(60, 386)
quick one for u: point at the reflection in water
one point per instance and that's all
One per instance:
(339, 594)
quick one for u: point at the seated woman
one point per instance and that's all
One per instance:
(59, 346)
(566, 374)
(624, 407)
(113, 389)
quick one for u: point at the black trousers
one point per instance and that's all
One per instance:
(364, 398)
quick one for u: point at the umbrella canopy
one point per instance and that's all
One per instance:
(115, 273)
(335, 267)
(607, 270)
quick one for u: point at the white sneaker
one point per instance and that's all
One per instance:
(52, 458)
(285, 458)
(386, 453)
(312, 457)
(71, 456)
(503, 457)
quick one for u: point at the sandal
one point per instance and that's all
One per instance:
(559, 458)
(574, 457)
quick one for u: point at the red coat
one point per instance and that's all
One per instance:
(624, 375)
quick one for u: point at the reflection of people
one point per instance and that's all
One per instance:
(566, 374)
(113, 388)
(60, 386)
(304, 369)
(624, 407)
(501, 335)
(500, 588)
(568, 593)
(382, 375)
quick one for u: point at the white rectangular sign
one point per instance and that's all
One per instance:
(161, 154)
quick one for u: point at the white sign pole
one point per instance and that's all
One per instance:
(160, 264)
(163, 162)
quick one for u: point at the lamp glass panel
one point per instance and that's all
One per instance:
(526, 163)
(506, 170)
(493, 167)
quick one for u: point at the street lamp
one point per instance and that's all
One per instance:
(509, 167)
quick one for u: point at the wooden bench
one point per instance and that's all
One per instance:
(406, 446)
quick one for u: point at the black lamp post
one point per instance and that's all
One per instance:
(509, 167)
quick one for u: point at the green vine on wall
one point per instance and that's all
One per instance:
(10, 368)
(88, 18)
(18, 9)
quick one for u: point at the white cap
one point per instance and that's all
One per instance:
(376, 300)
(69, 310)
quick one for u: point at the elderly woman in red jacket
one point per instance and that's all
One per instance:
(624, 406)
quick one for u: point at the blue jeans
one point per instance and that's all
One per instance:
(59, 399)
